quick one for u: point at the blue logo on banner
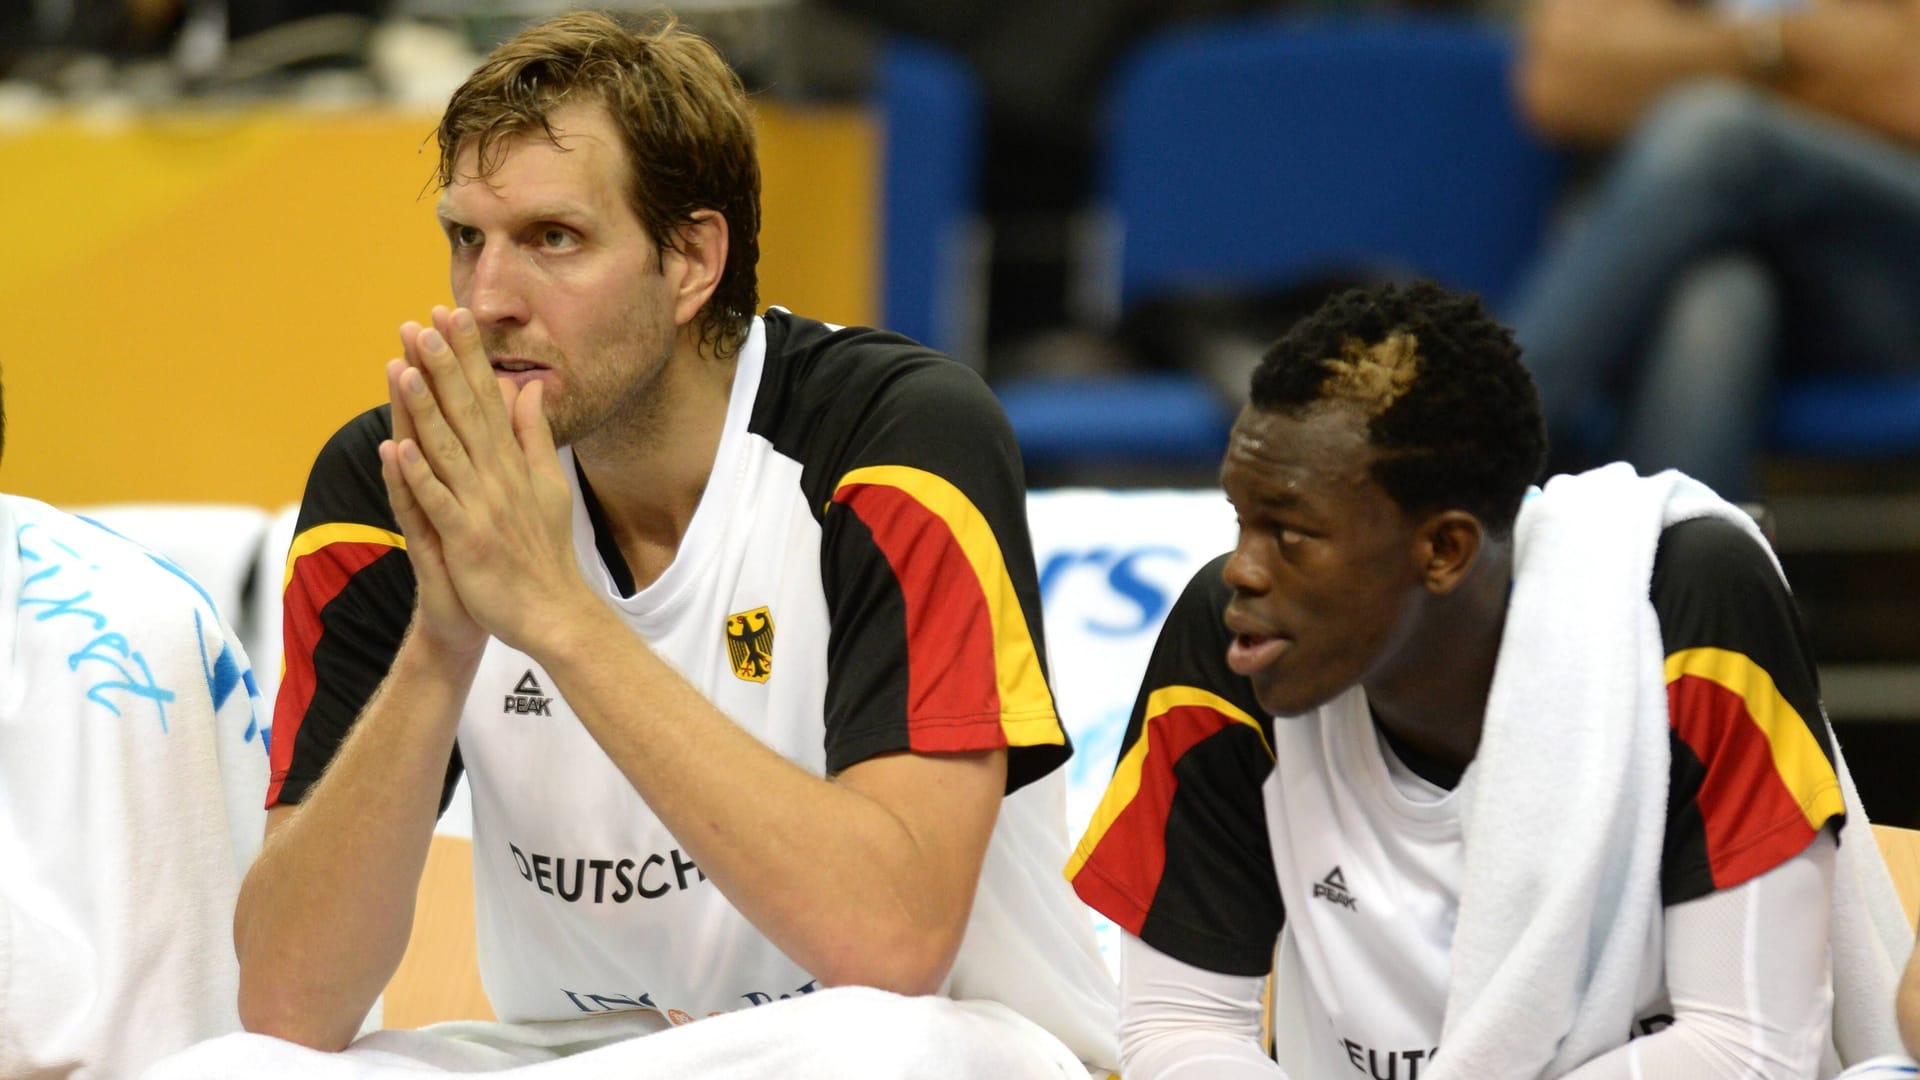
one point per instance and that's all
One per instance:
(1124, 577)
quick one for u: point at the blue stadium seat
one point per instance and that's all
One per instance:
(932, 255)
(1256, 154)
(1163, 419)
(933, 289)
(1847, 417)
(1259, 153)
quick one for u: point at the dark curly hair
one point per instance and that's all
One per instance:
(1453, 414)
(682, 113)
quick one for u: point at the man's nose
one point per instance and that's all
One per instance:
(1243, 571)
(495, 293)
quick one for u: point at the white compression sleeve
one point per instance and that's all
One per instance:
(1181, 1022)
(1747, 972)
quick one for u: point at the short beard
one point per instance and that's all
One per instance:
(630, 421)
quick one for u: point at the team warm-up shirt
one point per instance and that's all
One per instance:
(1206, 849)
(131, 768)
(857, 580)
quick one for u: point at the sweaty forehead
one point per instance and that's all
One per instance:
(580, 179)
(583, 155)
(1322, 449)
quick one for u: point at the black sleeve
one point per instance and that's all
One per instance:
(1752, 778)
(348, 597)
(936, 643)
(1177, 853)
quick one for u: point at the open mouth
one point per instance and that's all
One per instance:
(1250, 653)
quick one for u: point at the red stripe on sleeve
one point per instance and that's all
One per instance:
(953, 699)
(318, 577)
(1122, 875)
(1752, 821)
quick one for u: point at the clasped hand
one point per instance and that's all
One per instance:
(476, 486)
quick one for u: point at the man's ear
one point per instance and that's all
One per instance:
(1445, 548)
(694, 263)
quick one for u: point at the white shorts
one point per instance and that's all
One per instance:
(848, 1033)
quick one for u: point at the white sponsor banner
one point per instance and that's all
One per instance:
(1111, 564)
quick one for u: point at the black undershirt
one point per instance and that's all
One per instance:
(603, 541)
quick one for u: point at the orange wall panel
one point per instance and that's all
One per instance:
(194, 303)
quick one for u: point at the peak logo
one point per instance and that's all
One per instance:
(1333, 889)
(528, 699)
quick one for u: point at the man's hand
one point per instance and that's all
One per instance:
(480, 470)
(438, 614)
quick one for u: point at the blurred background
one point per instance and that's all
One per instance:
(217, 212)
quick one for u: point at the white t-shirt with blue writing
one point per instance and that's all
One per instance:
(133, 769)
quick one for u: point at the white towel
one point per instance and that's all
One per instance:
(851, 1033)
(1871, 940)
(217, 544)
(1561, 890)
(124, 710)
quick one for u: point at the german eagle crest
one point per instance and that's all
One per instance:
(750, 644)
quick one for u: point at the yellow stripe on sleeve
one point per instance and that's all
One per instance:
(1126, 776)
(1026, 706)
(1797, 756)
(336, 533)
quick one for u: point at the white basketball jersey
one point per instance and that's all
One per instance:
(587, 903)
(857, 580)
(1369, 860)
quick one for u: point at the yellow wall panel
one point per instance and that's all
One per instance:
(194, 304)
(820, 212)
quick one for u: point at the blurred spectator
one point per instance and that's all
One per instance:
(39, 38)
(1758, 213)
(125, 27)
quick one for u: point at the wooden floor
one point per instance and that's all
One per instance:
(439, 979)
